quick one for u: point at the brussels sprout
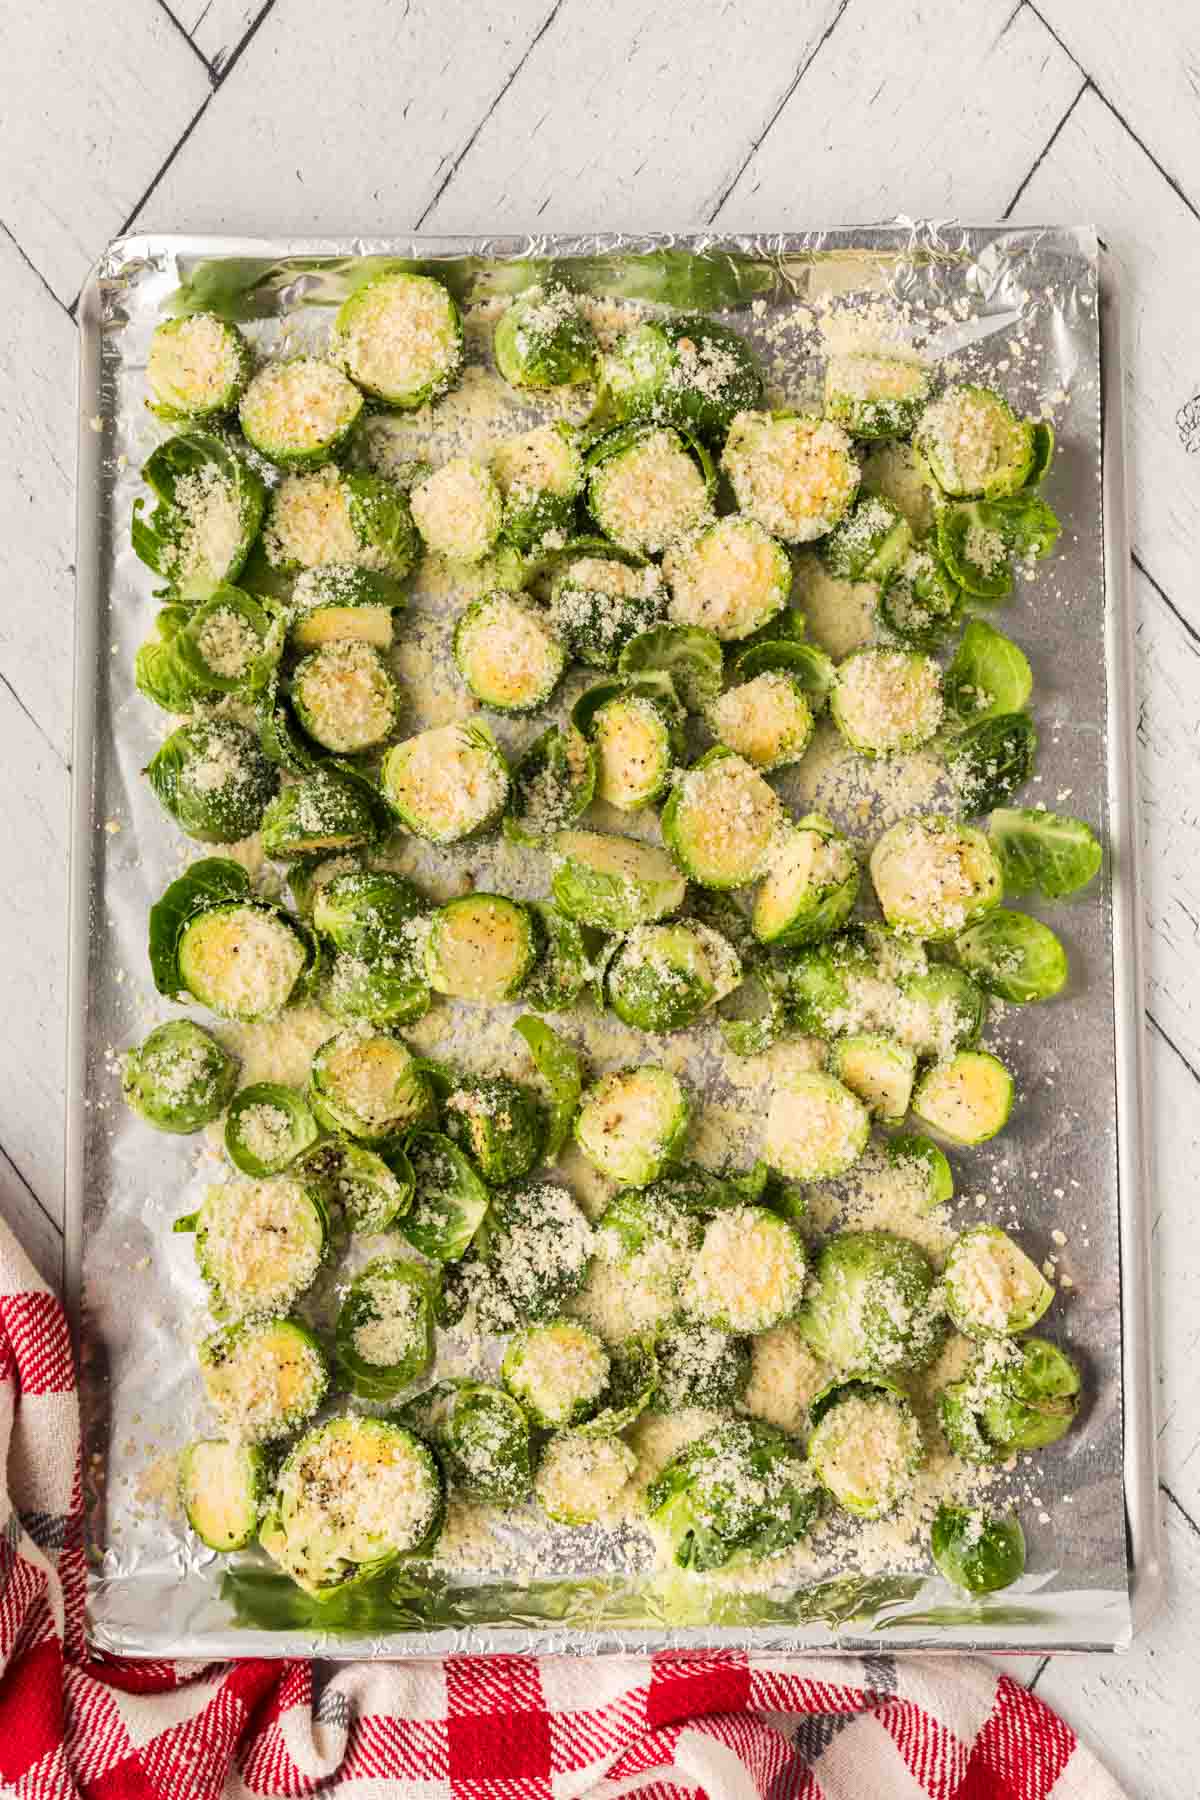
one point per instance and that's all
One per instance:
(1018, 1394)
(992, 1288)
(400, 338)
(179, 1078)
(559, 1066)
(229, 644)
(245, 961)
(533, 1255)
(749, 1272)
(816, 1127)
(795, 476)
(371, 1193)
(209, 508)
(720, 820)
(664, 976)
(613, 883)
(450, 1200)
(731, 579)
(810, 885)
(367, 1084)
(329, 515)
(767, 720)
(263, 1377)
(690, 655)
(212, 882)
(920, 601)
(600, 599)
(823, 981)
(540, 475)
(551, 786)
(299, 411)
(887, 700)
(644, 1245)
(558, 1372)
(259, 1244)
(480, 947)
(222, 1489)
(196, 367)
(1050, 853)
(346, 697)
(482, 1436)
(966, 1099)
(875, 396)
(498, 1123)
(648, 487)
(581, 1477)
(321, 812)
(991, 760)
(743, 1492)
(634, 742)
(632, 1122)
(457, 510)
(944, 1011)
(213, 779)
(279, 736)
(870, 543)
(340, 603)
(1013, 956)
(160, 673)
(543, 340)
(934, 877)
(351, 1497)
(755, 1015)
(699, 1366)
(563, 965)
(387, 990)
(809, 666)
(448, 783)
(865, 1445)
(988, 675)
(973, 550)
(631, 1383)
(267, 1127)
(973, 443)
(384, 1331)
(894, 470)
(367, 911)
(507, 654)
(684, 371)
(977, 1551)
(878, 1070)
(915, 1152)
(874, 1304)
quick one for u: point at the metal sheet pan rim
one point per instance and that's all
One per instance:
(1139, 1474)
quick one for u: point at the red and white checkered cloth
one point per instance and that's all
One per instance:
(713, 1727)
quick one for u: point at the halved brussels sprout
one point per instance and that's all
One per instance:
(559, 1066)
(329, 515)
(447, 783)
(816, 1127)
(367, 911)
(384, 1331)
(323, 811)
(749, 1272)
(498, 1123)
(688, 654)
(648, 487)
(346, 697)
(988, 675)
(564, 962)
(178, 1078)
(894, 470)
(874, 1304)
(973, 443)
(989, 761)
(934, 876)
(450, 1200)
(371, 1194)
(887, 701)
(480, 947)
(340, 603)
(213, 779)
(973, 551)
(245, 961)
(743, 1492)
(795, 476)
(457, 510)
(223, 1488)
(1018, 1394)
(581, 1477)
(698, 1365)
(865, 1445)
(731, 579)
(683, 371)
(920, 1153)
(507, 654)
(558, 1372)
(720, 820)
(632, 1122)
(810, 885)
(367, 1084)
(533, 1250)
(977, 1551)
(805, 663)
(400, 338)
(540, 475)
(967, 1099)
(483, 1437)
(543, 340)
(259, 1244)
(229, 644)
(633, 741)
(267, 1127)
(992, 1288)
(873, 395)
(613, 883)
(664, 976)
(196, 367)
(870, 543)
(644, 1245)
(879, 1070)
(825, 984)
(299, 411)
(263, 1377)
(943, 1011)
(389, 989)
(160, 673)
(756, 1014)
(209, 508)
(551, 786)
(1013, 956)
(1050, 853)
(767, 720)
(599, 601)
(920, 602)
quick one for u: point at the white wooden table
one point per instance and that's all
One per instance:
(398, 115)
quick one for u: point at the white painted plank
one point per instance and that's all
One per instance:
(37, 448)
(217, 27)
(1095, 170)
(929, 110)
(344, 118)
(1149, 67)
(33, 931)
(37, 1235)
(1137, 1712)
(94, 100)
(631, 115)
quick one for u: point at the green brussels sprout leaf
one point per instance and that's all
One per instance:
(1013, 956)
(213, 881)
(450, 1200)
(690, 655)
(1046, 852)
(988, 675)
(991, 760)
(559, 1065)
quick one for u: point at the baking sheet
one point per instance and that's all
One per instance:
(1069, 1158)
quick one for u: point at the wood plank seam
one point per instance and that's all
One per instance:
(187, 38)
(34, 270)
(1157, 1028)
(174, 152)
(223, 69)
(30, 1190)
(1044, 152)
(10, 689)
(1166, 599)
(1180, 1508)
